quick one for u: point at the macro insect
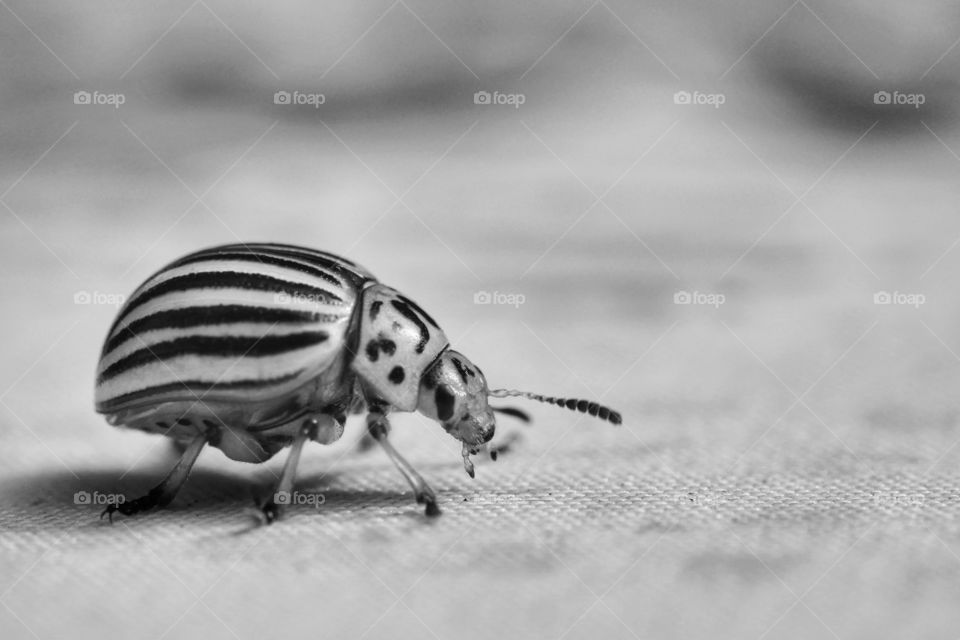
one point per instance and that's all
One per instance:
(252, 348)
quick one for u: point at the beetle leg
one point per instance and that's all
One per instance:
(378, 427)
(504, 445)
(162, 494)
(366, 442)
(325, 428)
(273, 508)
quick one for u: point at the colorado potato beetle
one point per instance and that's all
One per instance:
(252, 348)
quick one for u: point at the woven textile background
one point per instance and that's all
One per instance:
(788, 463)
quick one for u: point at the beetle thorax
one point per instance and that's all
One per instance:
(397, 342)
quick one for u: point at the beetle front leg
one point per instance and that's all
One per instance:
(379, 427)
(164, 493)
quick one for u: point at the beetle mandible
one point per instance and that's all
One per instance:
(252, 348)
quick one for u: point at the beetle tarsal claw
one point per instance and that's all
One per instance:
(256, 514)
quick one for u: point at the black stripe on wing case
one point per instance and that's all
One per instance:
(214, 315)
(221, 347)
(262, 258)
(343, 267)
(306, 251)
(198, 387)
(233, 280)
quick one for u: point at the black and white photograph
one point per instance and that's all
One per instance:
(550, 320)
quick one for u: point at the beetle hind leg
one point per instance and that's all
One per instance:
(366, 442)
(164, 493)
(378, 427)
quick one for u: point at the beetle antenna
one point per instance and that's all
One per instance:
(583, 406)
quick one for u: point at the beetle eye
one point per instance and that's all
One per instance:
(486, 435)
(445, 400)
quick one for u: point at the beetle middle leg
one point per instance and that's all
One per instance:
(164, 493)
(323, 429)
(378, 426)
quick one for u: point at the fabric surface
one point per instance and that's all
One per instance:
(787, 463)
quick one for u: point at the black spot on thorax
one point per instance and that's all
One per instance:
(410, 315)
(413, 305)
(463, 370)
(375, 346)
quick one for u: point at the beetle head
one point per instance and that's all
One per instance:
(453, 391)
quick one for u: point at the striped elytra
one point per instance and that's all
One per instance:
(237, 322)
(255, 347)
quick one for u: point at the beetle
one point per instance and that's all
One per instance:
(252, 348)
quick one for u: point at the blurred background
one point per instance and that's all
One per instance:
(735, 221)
